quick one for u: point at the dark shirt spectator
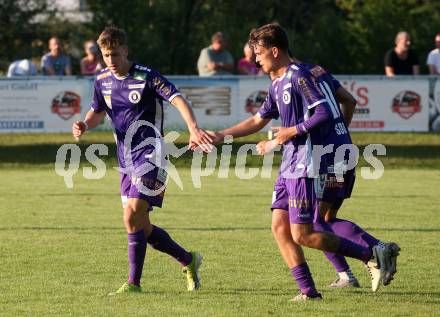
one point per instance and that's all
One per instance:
(401, 60)
(54, 62)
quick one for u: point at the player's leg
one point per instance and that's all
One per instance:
(291, 252)
(137, 224)
(157, 237)
(346, 277)
(302, 207)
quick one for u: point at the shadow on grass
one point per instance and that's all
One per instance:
(409, 156)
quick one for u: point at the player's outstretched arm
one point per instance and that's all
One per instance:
(197, 136)
(246, 127)
(347, 104)
(91, 121)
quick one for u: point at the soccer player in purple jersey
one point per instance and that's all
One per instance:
(131, 95)
(304, 97)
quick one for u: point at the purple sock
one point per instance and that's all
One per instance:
(303, 277)
(352, 232)
(347, 247)
(338, 261)
(137, 247)
(160, 240)
(354, 250)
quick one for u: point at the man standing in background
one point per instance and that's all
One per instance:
(215, 59)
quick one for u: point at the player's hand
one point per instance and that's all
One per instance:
(199, 137)
(283, 134)
(78, 129)
(264, 147)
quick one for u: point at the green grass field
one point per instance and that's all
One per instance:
(62, 250)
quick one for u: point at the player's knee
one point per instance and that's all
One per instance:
(301, 238)
(279, 230)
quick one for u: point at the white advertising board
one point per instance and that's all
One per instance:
(389, 105)
(42, 105)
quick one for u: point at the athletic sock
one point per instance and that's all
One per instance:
(160, 240)
(303, 277)
(347, 247)
(137, 247)
(346, 275)
(352, 232)
(338, 261)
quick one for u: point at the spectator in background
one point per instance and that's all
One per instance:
(433, 60)
(401, 60)
(23, 67)
(54, 62)
(91, 63)
(246, 65)
(215, 59)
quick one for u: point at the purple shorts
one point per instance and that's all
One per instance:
(329, 190)
(150, 187)
(297, 195)
(301, 196)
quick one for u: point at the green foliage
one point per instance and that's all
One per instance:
(345, 36)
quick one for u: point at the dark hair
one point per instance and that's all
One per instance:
(112, 37)
(269, 35)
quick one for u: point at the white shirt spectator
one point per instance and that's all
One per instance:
(434, 59)
(22, 67)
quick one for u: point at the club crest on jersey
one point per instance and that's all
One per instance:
(286, 97)
(134, 96)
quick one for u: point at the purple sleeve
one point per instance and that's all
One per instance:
(320, 116)
(336, 83)
(269, 109)
(162, 86)
(98, 103)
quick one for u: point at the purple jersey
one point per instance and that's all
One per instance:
(138, 96)
(293, 97)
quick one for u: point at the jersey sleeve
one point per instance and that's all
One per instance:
(335, 82)
(269, 109)
(165, 89)
(308, 88)
(98, 103)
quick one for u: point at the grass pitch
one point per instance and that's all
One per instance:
(62, 250)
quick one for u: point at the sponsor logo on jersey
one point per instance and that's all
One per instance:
(66, 104)
(106, 84)
(140, 75)
(143, 68)
(103, 75)
(299, 203)
(136, 86)
(406, 103)
(134, 96)
(317, 71)
(305, 89)
(108, 100)
(106, 92)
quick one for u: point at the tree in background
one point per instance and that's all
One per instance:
(346, 36)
